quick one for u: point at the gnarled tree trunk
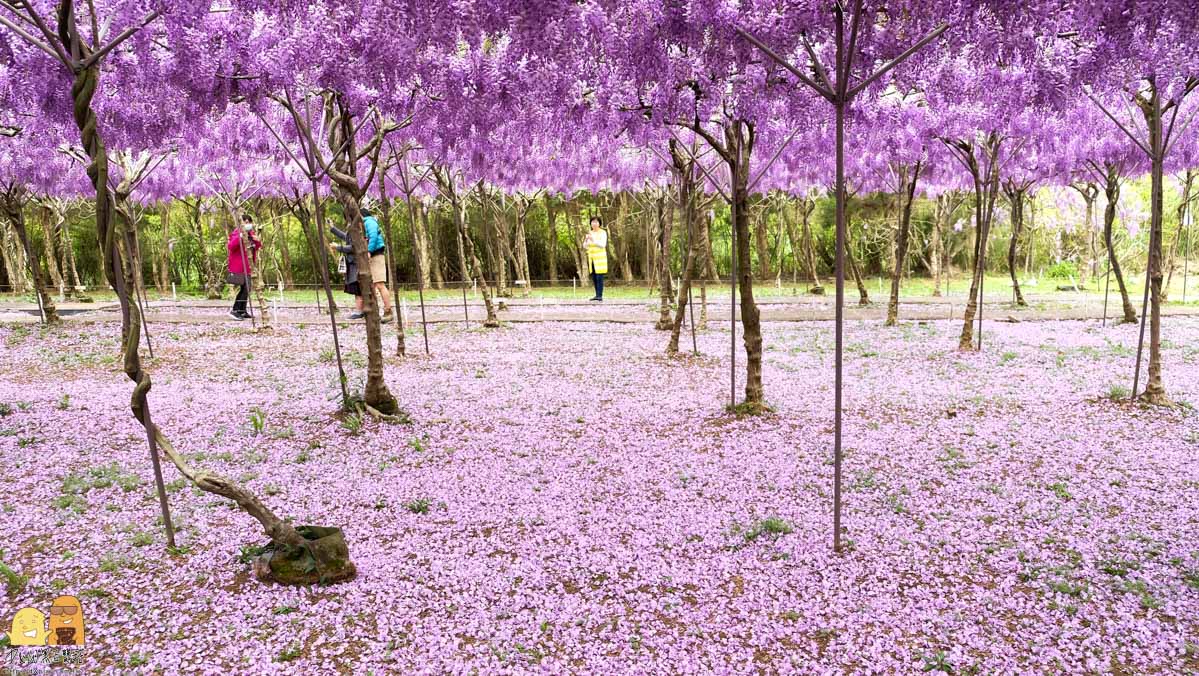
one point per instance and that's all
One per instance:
(1015, 194)
(1111, 190)
(12, 201)
(908, 176)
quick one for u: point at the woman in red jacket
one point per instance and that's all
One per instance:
(241, 261)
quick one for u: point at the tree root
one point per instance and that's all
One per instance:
(375, 413)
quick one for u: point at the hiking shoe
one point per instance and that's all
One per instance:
(385, 319)
(357, 315)
(240, 318)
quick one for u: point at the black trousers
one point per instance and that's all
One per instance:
(598, 280)
(243, 295)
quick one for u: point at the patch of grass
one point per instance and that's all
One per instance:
(289, 653)
(1061, 490)
(113, 563)
(303, 457)
(416, 444)
(1118, 567)
(64, 403)
(938, 661)
(142, 539)
(326, 356)
(257, 421)
(1008, 357)
(864, 481)
(5, 410)
(895, 501)
(769, 526)
(1138, 587)
(14, 582)
(1191, 578)
(179, 550)
(136, 660)
(953, 459)
(418, 506)
(271, 489)
(1117, 392)
(352, 423)
(1075, 589)
(285, 610)
(249, 552)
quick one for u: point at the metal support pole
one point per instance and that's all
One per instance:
(691, 310)
(840, 98)
(733, 323)
(1107, 287)
(158, 483)
(319, 214)
(1190, 220)
(839, 109)
(140, 292)
(37, 294)
(1136, 378)
(424, 322)
(465, 313)
(982, 280)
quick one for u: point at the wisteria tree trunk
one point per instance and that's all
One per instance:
(1015, 195)
(947, 204)
(1188, 183)
(524, 204)
(806, 207)
(761, 224)
(116, 245)
(162, 253)
(347, 191)
(66, 248)
(13, 199)
(392, 255)
(665, 276)
(50, 246)
(863, 293)
(281, 219)
(735, 149)
(420, 228)
(1151, 109)
(908, 176)
(16, 268)
(1090, 268)
(474, 269)
(1111, 190)
(551, 224)
(684, 176)
(985, 174)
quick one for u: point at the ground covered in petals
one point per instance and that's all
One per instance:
(567, 499)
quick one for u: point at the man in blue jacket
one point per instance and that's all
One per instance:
(378, 253)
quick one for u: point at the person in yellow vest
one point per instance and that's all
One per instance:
(596, 245)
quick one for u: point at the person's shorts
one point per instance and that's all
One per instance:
(379, 268)
(353, 289)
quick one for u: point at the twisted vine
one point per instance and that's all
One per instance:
(118, 243)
